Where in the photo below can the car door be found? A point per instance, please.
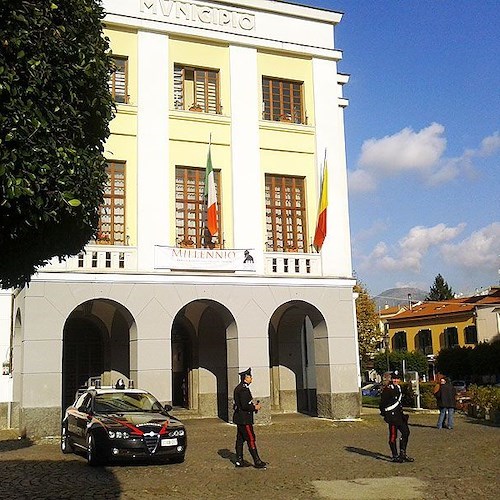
(81, 416)
(71, 418)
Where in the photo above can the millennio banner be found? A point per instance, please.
(204, 259)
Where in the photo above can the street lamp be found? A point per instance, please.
(386, 342)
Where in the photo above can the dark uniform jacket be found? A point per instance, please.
(243, 404)
(390, 402)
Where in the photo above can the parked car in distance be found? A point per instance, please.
(372, 389)
(113, 423)
(459, 385)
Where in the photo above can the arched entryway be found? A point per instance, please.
(201, 334)
(184, 347)
(96, 344)
(298, 351)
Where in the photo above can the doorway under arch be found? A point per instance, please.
(298, 350)
(201, 332)
(96, 344)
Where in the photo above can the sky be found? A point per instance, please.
(422, 140)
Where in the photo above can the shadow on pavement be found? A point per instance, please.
(56, 479)
(15, 444)
(367, 453)
(421, 425)
(229, 455)
(481, 421)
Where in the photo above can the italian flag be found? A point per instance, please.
(320, 234)
(210, 197)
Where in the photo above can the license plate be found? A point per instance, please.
(169, 442)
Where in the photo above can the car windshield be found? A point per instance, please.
(120, 402)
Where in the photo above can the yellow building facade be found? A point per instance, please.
(157, 300)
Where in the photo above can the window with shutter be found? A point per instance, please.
(424, 341)
(111, 229)
(118, 81)
(470, 332)
(285, 214)
(178, 92)
(282, 100)
(451, 336)
(196, 89)
(399, 341)
(190, 208)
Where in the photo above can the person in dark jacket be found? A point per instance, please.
(392, 411)
(244, 409)
(446, 398)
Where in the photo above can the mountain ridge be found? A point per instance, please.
(398, 296)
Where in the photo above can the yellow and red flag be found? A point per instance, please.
(320, 233)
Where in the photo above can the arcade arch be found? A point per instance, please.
(204, 354)
(299, 358)
(96, 343)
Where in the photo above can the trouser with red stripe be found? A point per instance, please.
(245, 433)
(398, 422)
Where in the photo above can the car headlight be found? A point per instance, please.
(177, 432)
(118, 434)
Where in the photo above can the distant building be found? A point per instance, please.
(428, 327)
(156, 299)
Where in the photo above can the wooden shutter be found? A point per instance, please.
(282, 100)
(118, 81)
(196, 89)
(285, 214)
(112, 211)
(178, 87)
(190, 209)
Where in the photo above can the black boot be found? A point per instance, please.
(394, 451)
(403, 457)
(239, 462)
(258, 463)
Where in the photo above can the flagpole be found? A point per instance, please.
(210, 228)
(204, 218)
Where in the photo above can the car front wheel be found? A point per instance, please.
(93, 456)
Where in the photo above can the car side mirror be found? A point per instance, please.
(168, 407)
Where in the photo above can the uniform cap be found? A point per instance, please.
(391, 375)
(243, 374)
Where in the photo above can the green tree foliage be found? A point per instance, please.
(369, 335)
(455, 362)
(414, 361)
(55, 109)
(440, 290)
(485, 359)
(470, 363)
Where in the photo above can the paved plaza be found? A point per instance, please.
(309, 458)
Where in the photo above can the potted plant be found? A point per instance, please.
(103, 238)
(195, 107)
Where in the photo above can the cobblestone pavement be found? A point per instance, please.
(308, 458)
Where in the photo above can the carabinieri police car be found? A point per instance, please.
(112, 423)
